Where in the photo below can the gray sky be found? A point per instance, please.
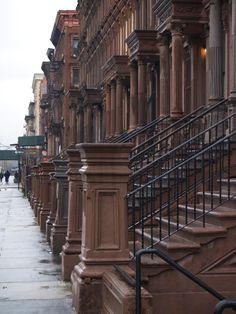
(26, 28)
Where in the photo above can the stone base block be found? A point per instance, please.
(86, 294)
(42, 220)
(119, 297)
(68, 262)
(48, 230)
(36, 207)
(58, 239)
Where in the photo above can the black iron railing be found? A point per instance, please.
(176, 133)
(148, 130)
(185, 193)
(145, 172)
(223, 304)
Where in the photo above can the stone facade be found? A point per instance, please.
(118, 65)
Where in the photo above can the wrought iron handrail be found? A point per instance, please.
(224, 304)
(178, 267)
(159, 205)
(172, 136)
(128, 136)
(177, 154)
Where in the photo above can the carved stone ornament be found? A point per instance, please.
(164, 39)
(187, 10)
(177, 28)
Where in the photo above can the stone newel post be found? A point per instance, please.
(52, 215)
(105, 175)
(46, 168)
(72, 248)
(59, 226)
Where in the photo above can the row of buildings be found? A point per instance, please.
(135, 93)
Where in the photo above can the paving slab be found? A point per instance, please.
(30, 275)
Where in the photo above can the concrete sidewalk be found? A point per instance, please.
(30, 277)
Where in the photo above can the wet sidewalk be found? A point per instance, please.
(30, 277)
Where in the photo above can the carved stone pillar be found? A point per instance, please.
(133, 96)
(53, 209)
(88, 124)
(105, 175)
(176, 109)
(215, 53)
(142, 92)
(194, 46)
(119, 106)
(59, 227)
(72, 248)
(73, 126)
(113, 108)
(46, 168)
(108, 111)
(164, 75)
(80, 126)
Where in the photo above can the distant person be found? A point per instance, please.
(1, 176)
(7, 175)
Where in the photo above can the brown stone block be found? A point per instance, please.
(68, 262)
(87, 294)
(119, 297)
(42, 219)
(48, 230)
(58, 238)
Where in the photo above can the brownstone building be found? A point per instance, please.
(61, 72)
(141, 108)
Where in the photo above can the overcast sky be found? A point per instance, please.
(26, 27)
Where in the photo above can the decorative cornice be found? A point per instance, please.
(142, 43)
(116, 66)
(91, 95)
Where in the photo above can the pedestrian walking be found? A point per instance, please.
(7, 175)
(1, 176)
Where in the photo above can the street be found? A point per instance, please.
(30, 277)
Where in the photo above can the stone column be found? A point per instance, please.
(73, 126)
(105, 176)
(142, 92)
(164, 75)
(176, 109)
(88, 123)
(133, 122)
(53, 209)
(80, 126)
(46, 168)
(215, 53)
(113, 108)
(108, 111)
(119, 106)
(72, 248)
(194, 46)
(59, 227)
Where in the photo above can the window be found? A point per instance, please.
(75, 77)
(75, 46)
